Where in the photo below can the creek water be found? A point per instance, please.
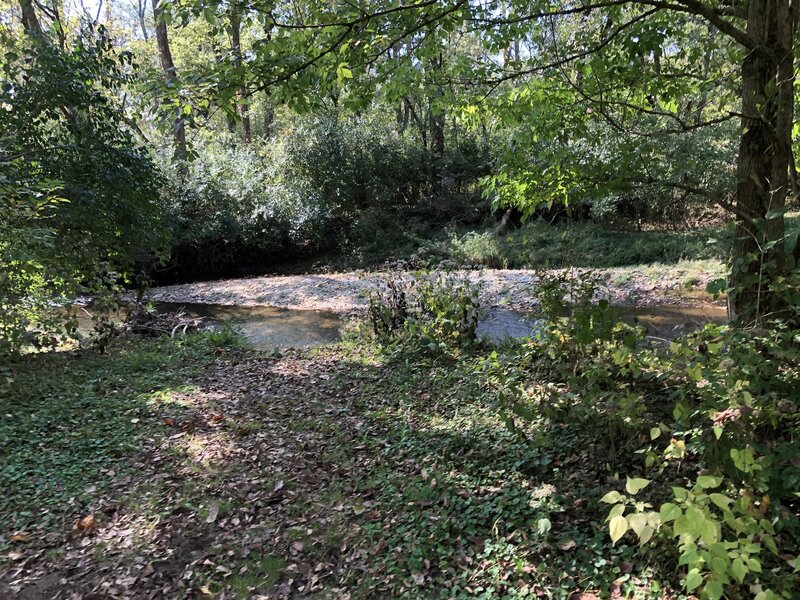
(270, 327)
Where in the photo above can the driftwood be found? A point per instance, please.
(144, 321)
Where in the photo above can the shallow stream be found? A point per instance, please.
(269, 327)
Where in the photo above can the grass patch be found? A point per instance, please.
(336, 471)
(538, 245)
(71, 420)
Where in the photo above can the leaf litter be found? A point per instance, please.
(306, 474)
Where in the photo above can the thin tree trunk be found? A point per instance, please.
(436, 123)
(171, 74)
(269, 119)
(141, 12)
(236, 50)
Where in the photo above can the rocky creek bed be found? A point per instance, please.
(512, 289)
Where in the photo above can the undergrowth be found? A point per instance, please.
(539, 245)
(63, 438)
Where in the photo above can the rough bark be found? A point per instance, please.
(165, 55)
(30, 22)
(764, 157)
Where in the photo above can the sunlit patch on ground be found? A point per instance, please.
(326, 473)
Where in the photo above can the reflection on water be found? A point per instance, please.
(270, 327)
(666, 321)
(267, 326)
(669, 321)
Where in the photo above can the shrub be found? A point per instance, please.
(711, 420)
(433, 313)
(79, 199)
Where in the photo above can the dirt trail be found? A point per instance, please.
(346, 292)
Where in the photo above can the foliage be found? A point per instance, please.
(429, 312)
(79, 196)
(90, 423)
(396, 477)
(324, 182)
(717, 409)
(230, 201)
(26, 287)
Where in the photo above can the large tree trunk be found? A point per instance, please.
(171, 74)
(236, 51)
(764, 158)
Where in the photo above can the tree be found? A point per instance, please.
(171, 74)
(78, 199)
(765, 33)
(646, 70)
(236, 53)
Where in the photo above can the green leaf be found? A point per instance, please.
(713, 590)
(543, 526)
(693, 579)
(721, 500)
(616, 511)
(210, 15)
(633, 486)
(695, 519)
(611, 497)
(680, 493)
(637, 522)
(669, 512)
(646, 534)
(617, 528)
(655, 432)
(738, 570)
(342, 72)
(708, 481)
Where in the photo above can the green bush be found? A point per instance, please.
(331, 181)
(226, 203)
(432, 313)
(709, 420)
(78, 197)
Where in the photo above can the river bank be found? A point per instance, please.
(681, 284)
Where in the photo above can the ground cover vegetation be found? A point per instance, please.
(187, 139)
(586, 461)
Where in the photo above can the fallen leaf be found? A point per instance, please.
(278, 486)
(567, 545)
(213, 513)
(168, 421)
(86, 525)
(20, 537)
(358, 509)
